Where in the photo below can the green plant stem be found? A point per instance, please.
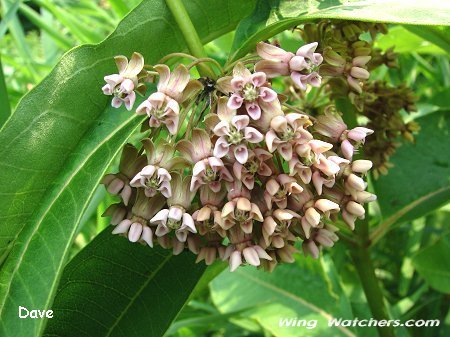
(364, 266)
(5, 109)
(190, 35)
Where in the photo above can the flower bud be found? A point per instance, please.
(361, 166)
(355, 209)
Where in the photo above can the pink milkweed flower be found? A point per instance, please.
(250, 90)
(255, 165)
(352, 139)
(208, 217)
(276, 225)
(234, 133)
(163, 106)
(136, 227)
(123, 85)
(330, 125)
(176, 218)
(242, 212)
(301, 66)
(287, 131)
(153, 179)
(314, 215)
(208, 170)
(279, 188)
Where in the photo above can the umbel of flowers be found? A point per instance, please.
(249, 181)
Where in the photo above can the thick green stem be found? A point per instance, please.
(366, 271)
(5, 109)
(190, 35)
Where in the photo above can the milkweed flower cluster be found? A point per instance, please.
(249, 181)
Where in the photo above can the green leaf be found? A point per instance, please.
(440, 36)
(5, 109)
(273, 16)
(419, 181)
(308, 289)
(115, 288)
(59, 142)
(406, 41)
(433, 264)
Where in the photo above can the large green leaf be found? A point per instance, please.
(433, 264)
(306, 290)
(419, 182)
(59, 142)
(273, 16)
(114, 288)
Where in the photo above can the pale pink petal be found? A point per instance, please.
(175, 213)
(164, 76)
(307, 50)
(147, 236)
(240, 122)
(221, 147)
(253, 110)
(272, 68)
(122, 227)
(273, 53)
(241, 153)
(299, 79)
(113, 80)
(235, 102)
(251, 256)
(252, 135)
(144, 108)
(107, 90)
(116, 102)
(129, 100)
(258, 79)
(135, 232)
(298, 63)
(267, 94)
(347, 149)
(237, 83)
(160, 217)
(161, 230)
(235, 260)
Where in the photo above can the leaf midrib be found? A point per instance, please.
(41, 219)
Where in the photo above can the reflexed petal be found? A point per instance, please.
(188, 223)
(178, 81)
(299, 79)
(160, 217)
(298, 63)
(251, 256)
(307, 50)
(240, 70)
(135, 232)
(164, 75)
(122, 227)
(272, 68)
(273, 53)
(235, 260)
(144, 108)
(135, 65)
(147, 236)
(113, 80)
(161, 230)
(148, 171)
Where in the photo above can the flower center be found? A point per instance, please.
(250, 93)
(119, 93)
(287, 134)
(173, 224)
(152, 182)
(281, 193)
(159, 113)
(210, 175)
(251, 166)
(235, 137)
(241, 216)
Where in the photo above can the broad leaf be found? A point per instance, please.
(58, 144)
(419, 181)
(115, 288)
(433, 264)
(273, 16)
(306, 290)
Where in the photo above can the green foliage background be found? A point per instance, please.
(62, 136)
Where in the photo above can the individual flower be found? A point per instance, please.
(131, 162)
(176, 218)
(136, 226)
(208, 169)
(153, 179)
(353, 139)
(124, 84)
(252, 92)
(302, 66)
(163, 106)
(287, 131)
(275, 229)
(234, 134)
(255, 165)
(208, 218)
(239, 210)
(315, 213)
(279, 188)
(330, 125)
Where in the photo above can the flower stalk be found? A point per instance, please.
(364, 266)
(190, 35)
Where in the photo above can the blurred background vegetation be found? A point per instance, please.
(34, 35)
